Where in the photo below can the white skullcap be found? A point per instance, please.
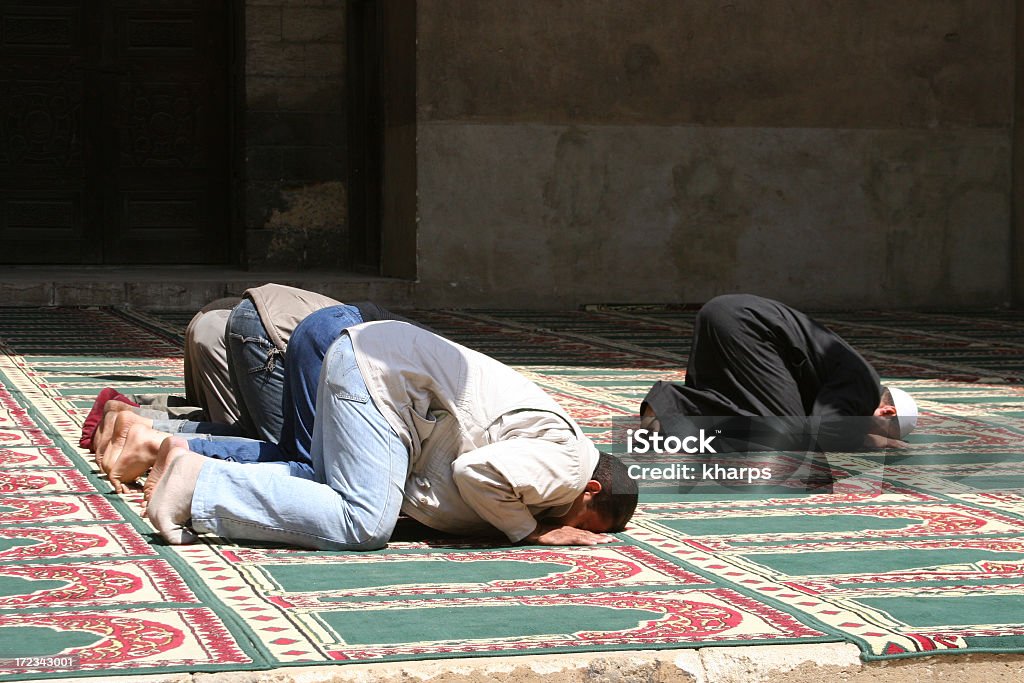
(906, 410)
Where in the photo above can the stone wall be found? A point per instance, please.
(294, 134)
(829, 153)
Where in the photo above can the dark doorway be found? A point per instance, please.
(382, 135)
(114, 131)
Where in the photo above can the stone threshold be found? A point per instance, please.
(180, 288)
(741, 664)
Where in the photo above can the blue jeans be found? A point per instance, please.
(307, 348)
(260, 372)
(352, 496)
(269, 393)
(306, 351)
(256, 371)
(190, 427)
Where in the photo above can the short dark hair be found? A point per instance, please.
(616, 501)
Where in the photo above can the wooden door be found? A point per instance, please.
(114, 132)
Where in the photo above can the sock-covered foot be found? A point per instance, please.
(169, 490)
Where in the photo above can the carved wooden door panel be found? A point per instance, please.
(166, 93)
(113, 131)
(49, 202)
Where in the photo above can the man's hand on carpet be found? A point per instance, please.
(565, 535)
(878, 442)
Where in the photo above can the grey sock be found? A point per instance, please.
(170, 506)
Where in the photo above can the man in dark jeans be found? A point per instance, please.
(256, 337)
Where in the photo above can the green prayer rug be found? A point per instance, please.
(910, 553)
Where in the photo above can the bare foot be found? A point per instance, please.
(169, 490)
(122, 422)
(103, 433)
(105, 430)
(131, 458)
(103, 403)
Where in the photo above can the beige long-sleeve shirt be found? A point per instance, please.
(487, 447)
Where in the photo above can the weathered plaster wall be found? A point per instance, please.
(294, 138)
(827, 152)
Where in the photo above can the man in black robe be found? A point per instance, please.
(764, 376)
